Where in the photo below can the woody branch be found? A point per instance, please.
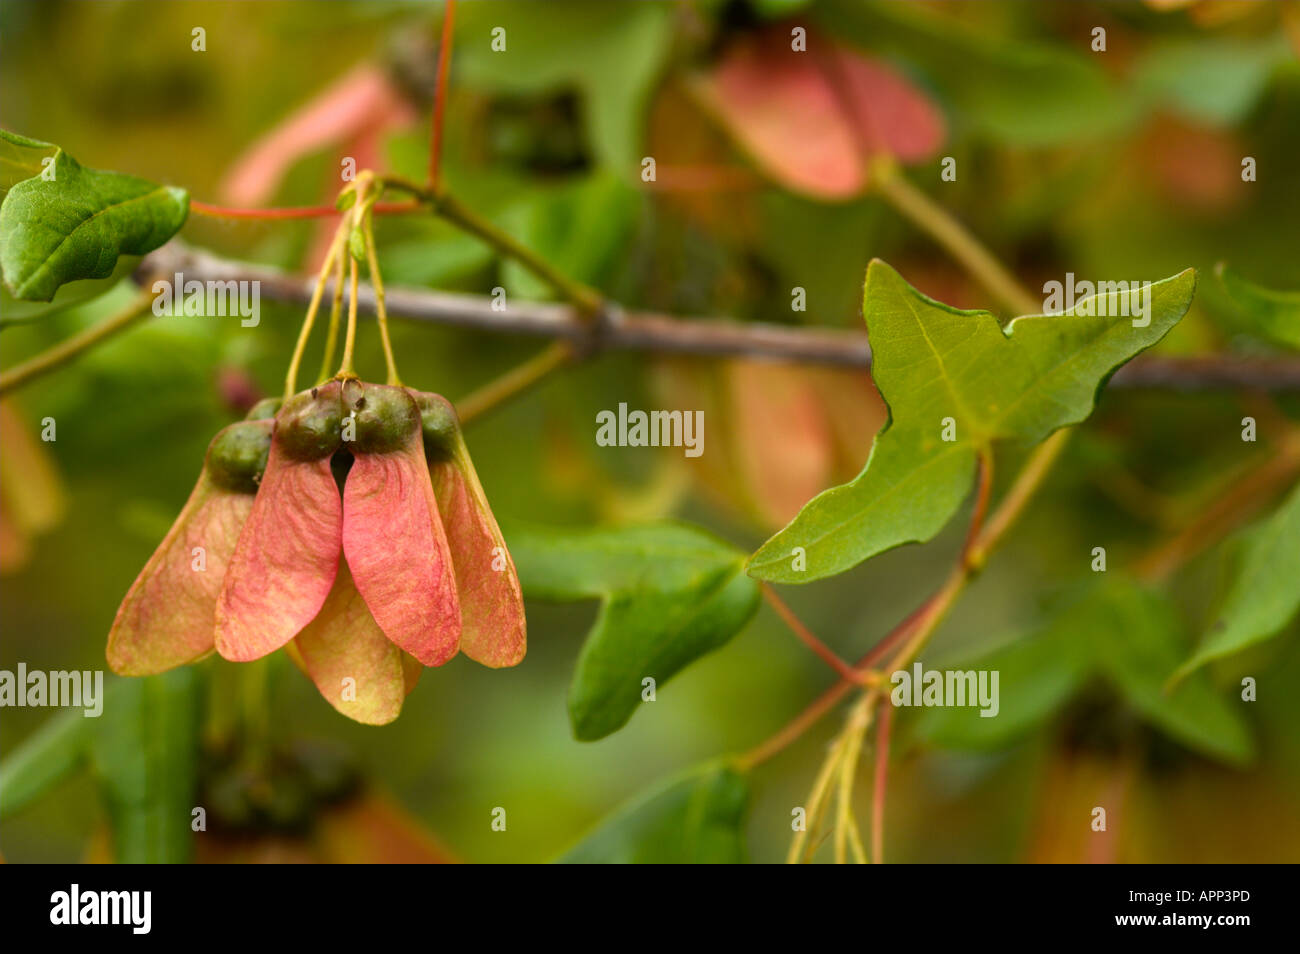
(646, 331)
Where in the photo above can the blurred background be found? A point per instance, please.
(1123, 164)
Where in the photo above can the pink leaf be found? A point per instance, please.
(779, 106)
(813, 119)
(288, 553)
(493, 629)
(392, 535)
(782, 439)
(895, 117)
(362, 100)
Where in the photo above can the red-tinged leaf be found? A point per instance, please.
(286, 559)
(813, 119)
(345, 643)
(782, 440)
(894, 117)
(392, 536)
(1197, 169)
(780, 107)
(493, 629)
(854, 413)
(363, 99)
(166, 619)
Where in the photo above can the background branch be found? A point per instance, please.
(645, 331)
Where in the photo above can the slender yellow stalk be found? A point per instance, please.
(855, 842)
(381, 313)
(291, 377)
(813, 810)
(516, 380)
(336, 312)
(856, 729)
(349, 341)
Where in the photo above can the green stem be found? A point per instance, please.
(935, 220)
(336, 248)
(381, 312)
(350, 339)
(514, 381)
(332, 336)
(921, 624)
(69, 349)
(585, 299)
(445, 205)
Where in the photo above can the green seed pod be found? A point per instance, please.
(357, 245)
(385, 417)
(309, 426)
(439, 423)
(263, 409)
(237, 455)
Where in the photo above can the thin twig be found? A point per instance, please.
(807, 637)
(917, 627)
(796, 727)
(440, 92)
(982, 494)
(71, 348)
(1243, 497)
(293, 212)
(514, 382)
(587, 300)
(442, 203)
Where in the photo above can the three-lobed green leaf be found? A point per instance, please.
(670, 593)
(78, 222)
(955, 381)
